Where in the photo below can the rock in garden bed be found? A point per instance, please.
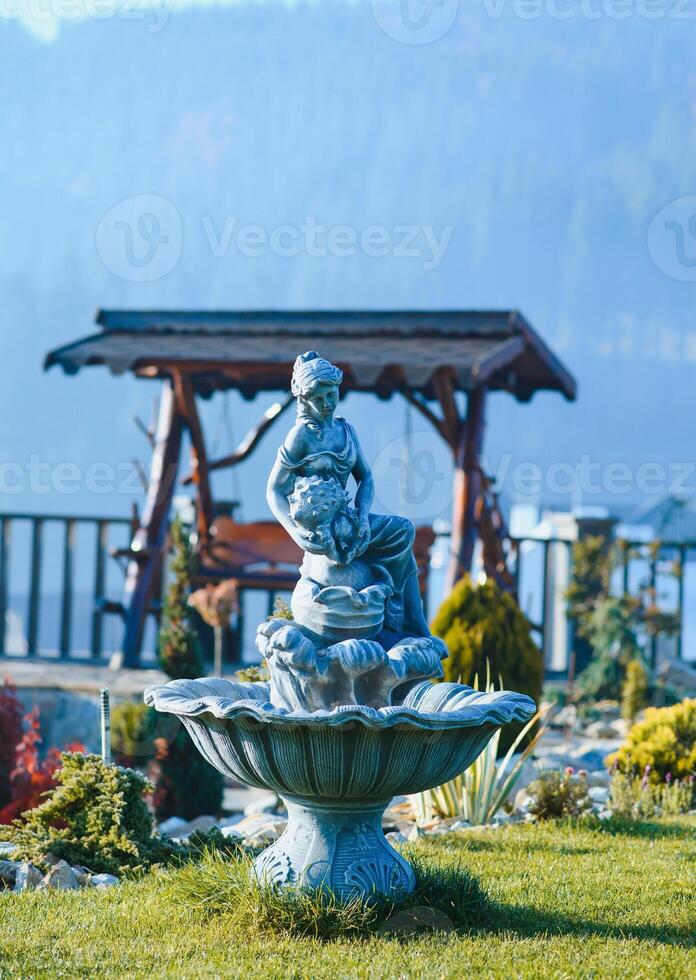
(8, 872)
(28, 877)
(22, 876)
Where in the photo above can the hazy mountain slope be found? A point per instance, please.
(547, 147)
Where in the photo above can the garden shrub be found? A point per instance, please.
(95, 817)
(257, 673)
(10, 737)
(591, 578)
(612, 629)
(30, 779)
(483, 625)
(559, 794)
(663, 742)
(185, 784)
(616, 626)
(634, 693)
(636, 798)
(179, 649)
(133, 728)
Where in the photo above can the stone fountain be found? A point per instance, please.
(351, 716)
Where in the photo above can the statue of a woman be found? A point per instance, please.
(326, 446)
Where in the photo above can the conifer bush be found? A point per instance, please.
(662, 744)
(95, 817)
(179, 649)
(133, 731)
(634, 693)
(185, 784)
(484, 627)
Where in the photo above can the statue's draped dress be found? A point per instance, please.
(390, 551)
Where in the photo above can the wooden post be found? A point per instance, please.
(467, 488)
(149, 540)
(186, 402)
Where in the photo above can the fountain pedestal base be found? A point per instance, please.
(340, 846)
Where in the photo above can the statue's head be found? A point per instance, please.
(315, 383)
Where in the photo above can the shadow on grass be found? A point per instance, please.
(623, 827)
(528, 922)
(447, 898)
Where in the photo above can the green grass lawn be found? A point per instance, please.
(564, 902)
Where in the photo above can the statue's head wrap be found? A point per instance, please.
(310, 370)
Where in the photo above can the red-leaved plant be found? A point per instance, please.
(31, 777)
(10, 737)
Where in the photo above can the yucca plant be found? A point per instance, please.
(479, 793)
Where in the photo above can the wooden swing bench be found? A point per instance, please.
(262, 556)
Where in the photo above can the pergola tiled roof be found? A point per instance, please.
(379, 351)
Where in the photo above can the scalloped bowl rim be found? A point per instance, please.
(505, 707)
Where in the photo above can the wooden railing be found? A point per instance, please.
(657, 565)
(26, 570)
(82, 566)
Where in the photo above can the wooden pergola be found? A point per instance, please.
(425, 356)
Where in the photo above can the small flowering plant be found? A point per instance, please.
(559, 794)
(216, 603)
(638, 797)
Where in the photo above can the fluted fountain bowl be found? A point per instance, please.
(338, 769)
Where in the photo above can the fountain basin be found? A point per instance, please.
(338, 769)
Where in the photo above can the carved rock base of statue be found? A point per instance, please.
(336, 846)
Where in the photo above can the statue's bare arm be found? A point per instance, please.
(364, 495)
(280, 484)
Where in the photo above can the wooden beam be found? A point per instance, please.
(422, 406)
(467, 488)
(249, 442)
(142, 576)
(186, 403)
(443, 383)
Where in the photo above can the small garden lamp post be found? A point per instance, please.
(105, 725)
